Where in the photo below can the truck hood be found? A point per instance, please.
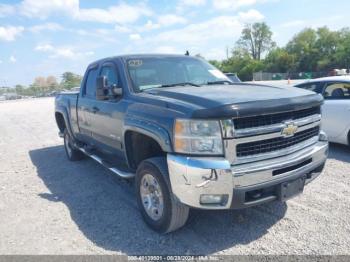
(237, 100)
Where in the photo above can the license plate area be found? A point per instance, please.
(290, 189)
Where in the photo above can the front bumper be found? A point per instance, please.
(243, 185)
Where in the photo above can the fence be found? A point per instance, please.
(265, 76)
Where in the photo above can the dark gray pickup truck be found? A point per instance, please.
(191, 137)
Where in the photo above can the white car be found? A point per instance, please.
(336, 108)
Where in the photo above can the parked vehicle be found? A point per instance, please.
(233, 77)
(336, 108)
(191, 137)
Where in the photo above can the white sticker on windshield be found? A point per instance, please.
(217, 73)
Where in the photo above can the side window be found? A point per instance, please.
(111, 75)
(337, 91)
(90, 85)
(311, 87)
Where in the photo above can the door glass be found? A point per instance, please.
(110, 74)
(311, 87)
(337, 91)
(90, 85)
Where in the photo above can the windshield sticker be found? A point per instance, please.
(135, 62)
(217, 73)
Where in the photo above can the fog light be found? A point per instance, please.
(213, 199)
(323, 136)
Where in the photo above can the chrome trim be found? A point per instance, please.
(277, 134)
(262, 171)
(276, 127)
(190, 177)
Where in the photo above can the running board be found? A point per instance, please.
(115, 170)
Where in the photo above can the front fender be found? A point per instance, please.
(148, 128)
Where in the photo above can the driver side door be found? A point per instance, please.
(108, 115)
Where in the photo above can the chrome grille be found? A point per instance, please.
(271, 119)
(275, 144)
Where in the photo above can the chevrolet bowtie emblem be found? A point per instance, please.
(289, 130)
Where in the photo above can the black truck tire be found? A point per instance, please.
(170, 214)
(73, 154)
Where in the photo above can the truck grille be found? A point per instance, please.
(274, 144)
(265, 120)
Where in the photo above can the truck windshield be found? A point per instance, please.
(159, 72)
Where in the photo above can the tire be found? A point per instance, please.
(169, 214)
(72, 153)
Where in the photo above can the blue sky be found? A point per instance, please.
(49, 37)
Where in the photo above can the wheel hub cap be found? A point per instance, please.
(151, 196)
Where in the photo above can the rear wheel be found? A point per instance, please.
(160, 210)
(73, 154)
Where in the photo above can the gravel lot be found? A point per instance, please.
(49, 205)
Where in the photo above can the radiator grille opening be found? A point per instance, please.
(265, 120)
(275, 144)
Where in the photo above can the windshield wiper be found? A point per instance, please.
(180, 84)
(219, 82)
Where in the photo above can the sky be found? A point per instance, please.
(49, 37)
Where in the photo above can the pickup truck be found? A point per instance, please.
(189, 137)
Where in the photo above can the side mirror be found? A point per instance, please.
(101, 88)
(116, 90)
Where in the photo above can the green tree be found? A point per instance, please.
(70, 80)
(303, 46)
(256, 39)
(279, 60)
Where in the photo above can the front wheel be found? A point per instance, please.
(160, 210)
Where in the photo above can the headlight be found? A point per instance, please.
(197, 137)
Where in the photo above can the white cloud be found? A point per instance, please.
(150, 25)
(6, 10)
(135, 37)
(122, 13)
(122, 29)
(61, 52)
(230, 5)
(44, 8)
(1, 62)
(213, 29)
(9, 33)
(46, 27)
(170, 19)
(12, 59)
(251, 16)
(193, 2)
(166, 50)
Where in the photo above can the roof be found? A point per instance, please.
(330, 78)
(130, 56)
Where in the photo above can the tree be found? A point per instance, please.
(70, 80)
(256, 39)
(279, 60)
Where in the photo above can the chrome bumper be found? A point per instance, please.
(192, 177)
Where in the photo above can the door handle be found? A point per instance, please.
(95, 109)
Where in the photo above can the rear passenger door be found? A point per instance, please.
(85, 105)
(336, 109)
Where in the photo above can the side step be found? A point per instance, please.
(115, 170)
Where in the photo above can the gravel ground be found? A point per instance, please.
(49, 205)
